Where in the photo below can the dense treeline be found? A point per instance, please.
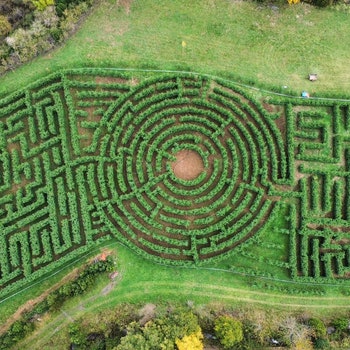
(191, 327)
(196, 327)
(29, 28)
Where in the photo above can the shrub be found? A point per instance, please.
(229, 331)
(42, 4)
(77, 334)
(318, 327)
(71, 17)
(341, 324)
(5, 26)
(321, 343)
(190, 342)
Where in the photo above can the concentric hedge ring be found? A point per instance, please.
(148, 206)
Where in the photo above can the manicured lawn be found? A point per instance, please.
(255, 43)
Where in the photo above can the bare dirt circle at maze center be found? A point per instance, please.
(188, 165)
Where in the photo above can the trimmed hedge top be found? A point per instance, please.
(86, 155)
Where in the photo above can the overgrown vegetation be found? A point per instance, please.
(54, 301)
(28, 29)
(172, 326)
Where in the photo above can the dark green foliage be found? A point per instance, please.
(341, 325)
(17, 332)
(322, 3)
(320, 343)
(76, 334)
(318, 327)
(88, 155)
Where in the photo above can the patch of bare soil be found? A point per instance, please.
(126, 4)
(110, 80)
(188, 165)
(29, 305)
(147, 313)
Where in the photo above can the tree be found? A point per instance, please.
(162, 333)
(77, 334)
(229, 331)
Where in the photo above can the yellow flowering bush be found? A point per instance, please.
(42, 4)
(190, 342)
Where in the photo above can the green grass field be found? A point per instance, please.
(246, 41)
(141, 281)
(243, 41)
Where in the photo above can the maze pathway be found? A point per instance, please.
(182, 168)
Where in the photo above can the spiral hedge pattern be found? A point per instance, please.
(177, 219)
(92, 154)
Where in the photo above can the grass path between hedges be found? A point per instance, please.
(272, 46)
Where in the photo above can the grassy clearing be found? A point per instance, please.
(242, 40)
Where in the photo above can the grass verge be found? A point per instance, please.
(141, 281)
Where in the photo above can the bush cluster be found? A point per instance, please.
(175, 327)
(31, 28)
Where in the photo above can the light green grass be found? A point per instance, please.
(141, 281)
(247, 41)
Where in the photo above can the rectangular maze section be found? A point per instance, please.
(322, 174)
(45, 210)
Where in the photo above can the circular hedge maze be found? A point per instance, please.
(182, 168)
(191, 164)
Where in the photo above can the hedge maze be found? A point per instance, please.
(182, 168)
(321, 236)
